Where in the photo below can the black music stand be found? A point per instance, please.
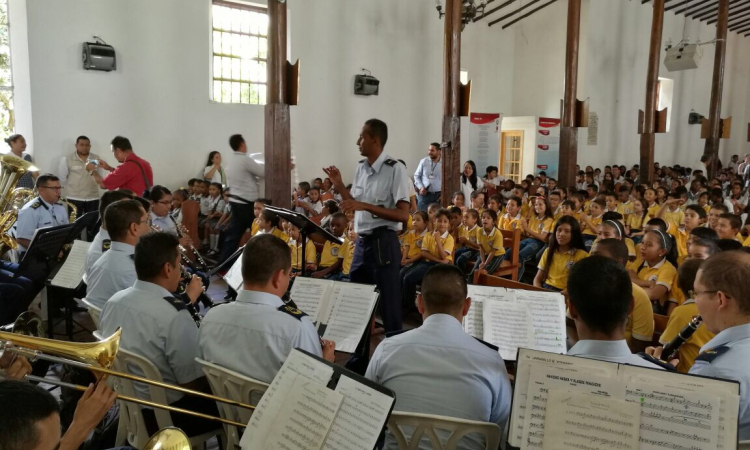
(84, 222)
(306, 228)
(41, 256)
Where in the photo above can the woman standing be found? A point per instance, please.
(469, 179)
(213, 172)
(17, 145)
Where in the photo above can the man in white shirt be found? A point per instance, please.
(244, 176)
(428, 178)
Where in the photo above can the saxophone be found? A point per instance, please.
(72, 208)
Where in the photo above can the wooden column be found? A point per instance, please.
(648, 125)
(714, 119)
(278, 148)
(452, 101)
(568, 127)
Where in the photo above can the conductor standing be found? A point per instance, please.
(380, 199)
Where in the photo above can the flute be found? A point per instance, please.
(671, 347)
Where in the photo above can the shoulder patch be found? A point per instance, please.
(362, 161)
(36, 204)
(178, 304)
(711, 354)
(106, 245)
(292, 311)
(390, 162)
(495, 348)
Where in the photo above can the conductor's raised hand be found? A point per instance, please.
(329, 349)
(334, 174)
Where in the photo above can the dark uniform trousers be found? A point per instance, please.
(377, 260)
(242, 218)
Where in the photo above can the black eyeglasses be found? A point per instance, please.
(694, 293)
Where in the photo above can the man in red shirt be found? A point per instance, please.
(133, 173)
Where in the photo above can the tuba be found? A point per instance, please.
(11, 198)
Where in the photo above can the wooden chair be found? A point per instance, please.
(511, 240)
(431, 426)
(483, 279)
(190, 211)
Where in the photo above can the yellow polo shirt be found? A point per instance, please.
(595, 221)
(626, 209)
(681, 237)
(310, 253)
(676, 218)
(544, 225)
(346, 253)
(470, 233)
(636, 222)
(747, 242)
(640, 323)
(526, 210)
(636, 263)
(414, 243)
(559, 269)
(429, 244)
(663, 273)
(690, 350)
(330, 254)
(254, 227)
(508, 223)
(653, 209)
(280, 234)
(492, 243)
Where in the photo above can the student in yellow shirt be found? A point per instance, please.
(656, 276)
(411, 250)
(639, 329)
(346, 254)
(701, 244)
(579, 201)
(682, 315)
(495, 203)
(565, 249)
(491, 248)
(567, 208)
(670, 211)
(703, 201)
(519, 192)
(714, 213)
(635, 223)
(625, 206)
(458, 200)
(477, 201)
(610, 198)
(590, 224)
(509, 220)
(536, 230)
(330, 263)
(295, 245)
(555, 199)
(437, 248)
(268, 223)
(728, 226)
(258, 208)
(649, 196)
(468, 239)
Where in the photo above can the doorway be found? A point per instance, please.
(511, 155)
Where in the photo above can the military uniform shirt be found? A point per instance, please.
(439, 369)
(157, 329)
(99, 245)
(163, 223)
(728, 356)
(612, 351)
(384, 183)
(254, 335)
(39, 214)
(112, 273)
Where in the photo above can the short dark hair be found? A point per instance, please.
(235, 141)
(121, 143)
(44, 179)
(158, 191)
(444, 289)
(153, 251)
(601, 291)
(728, 245)
(271, 217)
(436, 145)
(698, 210)
(686, 274)
(615, 247)
(378, 129)
(332, 206)
(705, 233)
(119, 215)
(264, 255)
(82, 138)
(18, 423)
(711, 245)
(734, 221)
(110, 197)
(12, 138)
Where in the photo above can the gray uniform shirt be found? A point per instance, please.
(384, 183)
(39, 214)
(112, 273)
(612, 351)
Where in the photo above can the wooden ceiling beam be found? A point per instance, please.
(690, 7)
(740, 11)
(528, 14)
(494, 10)
(737, 19)
(677, 5)
(733, 5)
(514, 12)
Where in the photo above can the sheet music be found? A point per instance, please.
(351, 314)
(583, 422)
(545, 379)
(473, 322)
(273, 401)
(489, 293)
(548, 319)
(507, 325)
(233, 276)
(309, 293)
(360, 419)
(71, 273)
(531, 360)
(707, 403)
(307, 416)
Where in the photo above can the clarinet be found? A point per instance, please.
(182, 289)
(671, 348)
(180, 234)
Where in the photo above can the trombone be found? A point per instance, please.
(97, 357)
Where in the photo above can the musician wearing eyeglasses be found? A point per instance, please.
(254, 335)
(158, 327)
(43, 211)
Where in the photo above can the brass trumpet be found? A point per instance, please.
(97, 357)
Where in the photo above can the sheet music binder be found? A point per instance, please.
(338, 373)
(534, 361)
(41, 255)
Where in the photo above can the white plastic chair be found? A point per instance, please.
(743, 445)
(235, 386)
(132, 426)
(94, 311)
(427, 425)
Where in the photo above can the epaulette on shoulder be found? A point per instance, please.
(363, 161)
(178, 304)
(294, 312)
(493, 347)
(390, 162)
(106, 244)
(36, 204)
(710, 355)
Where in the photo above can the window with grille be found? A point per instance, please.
(240, 50)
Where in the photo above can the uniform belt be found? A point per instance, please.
(377, 232)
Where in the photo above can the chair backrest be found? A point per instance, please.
(94, 311)
(190, 211)
(427, 425)
(128, 362)
(512, 240)
(660, 324)
(483, 279)
(235, 386)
